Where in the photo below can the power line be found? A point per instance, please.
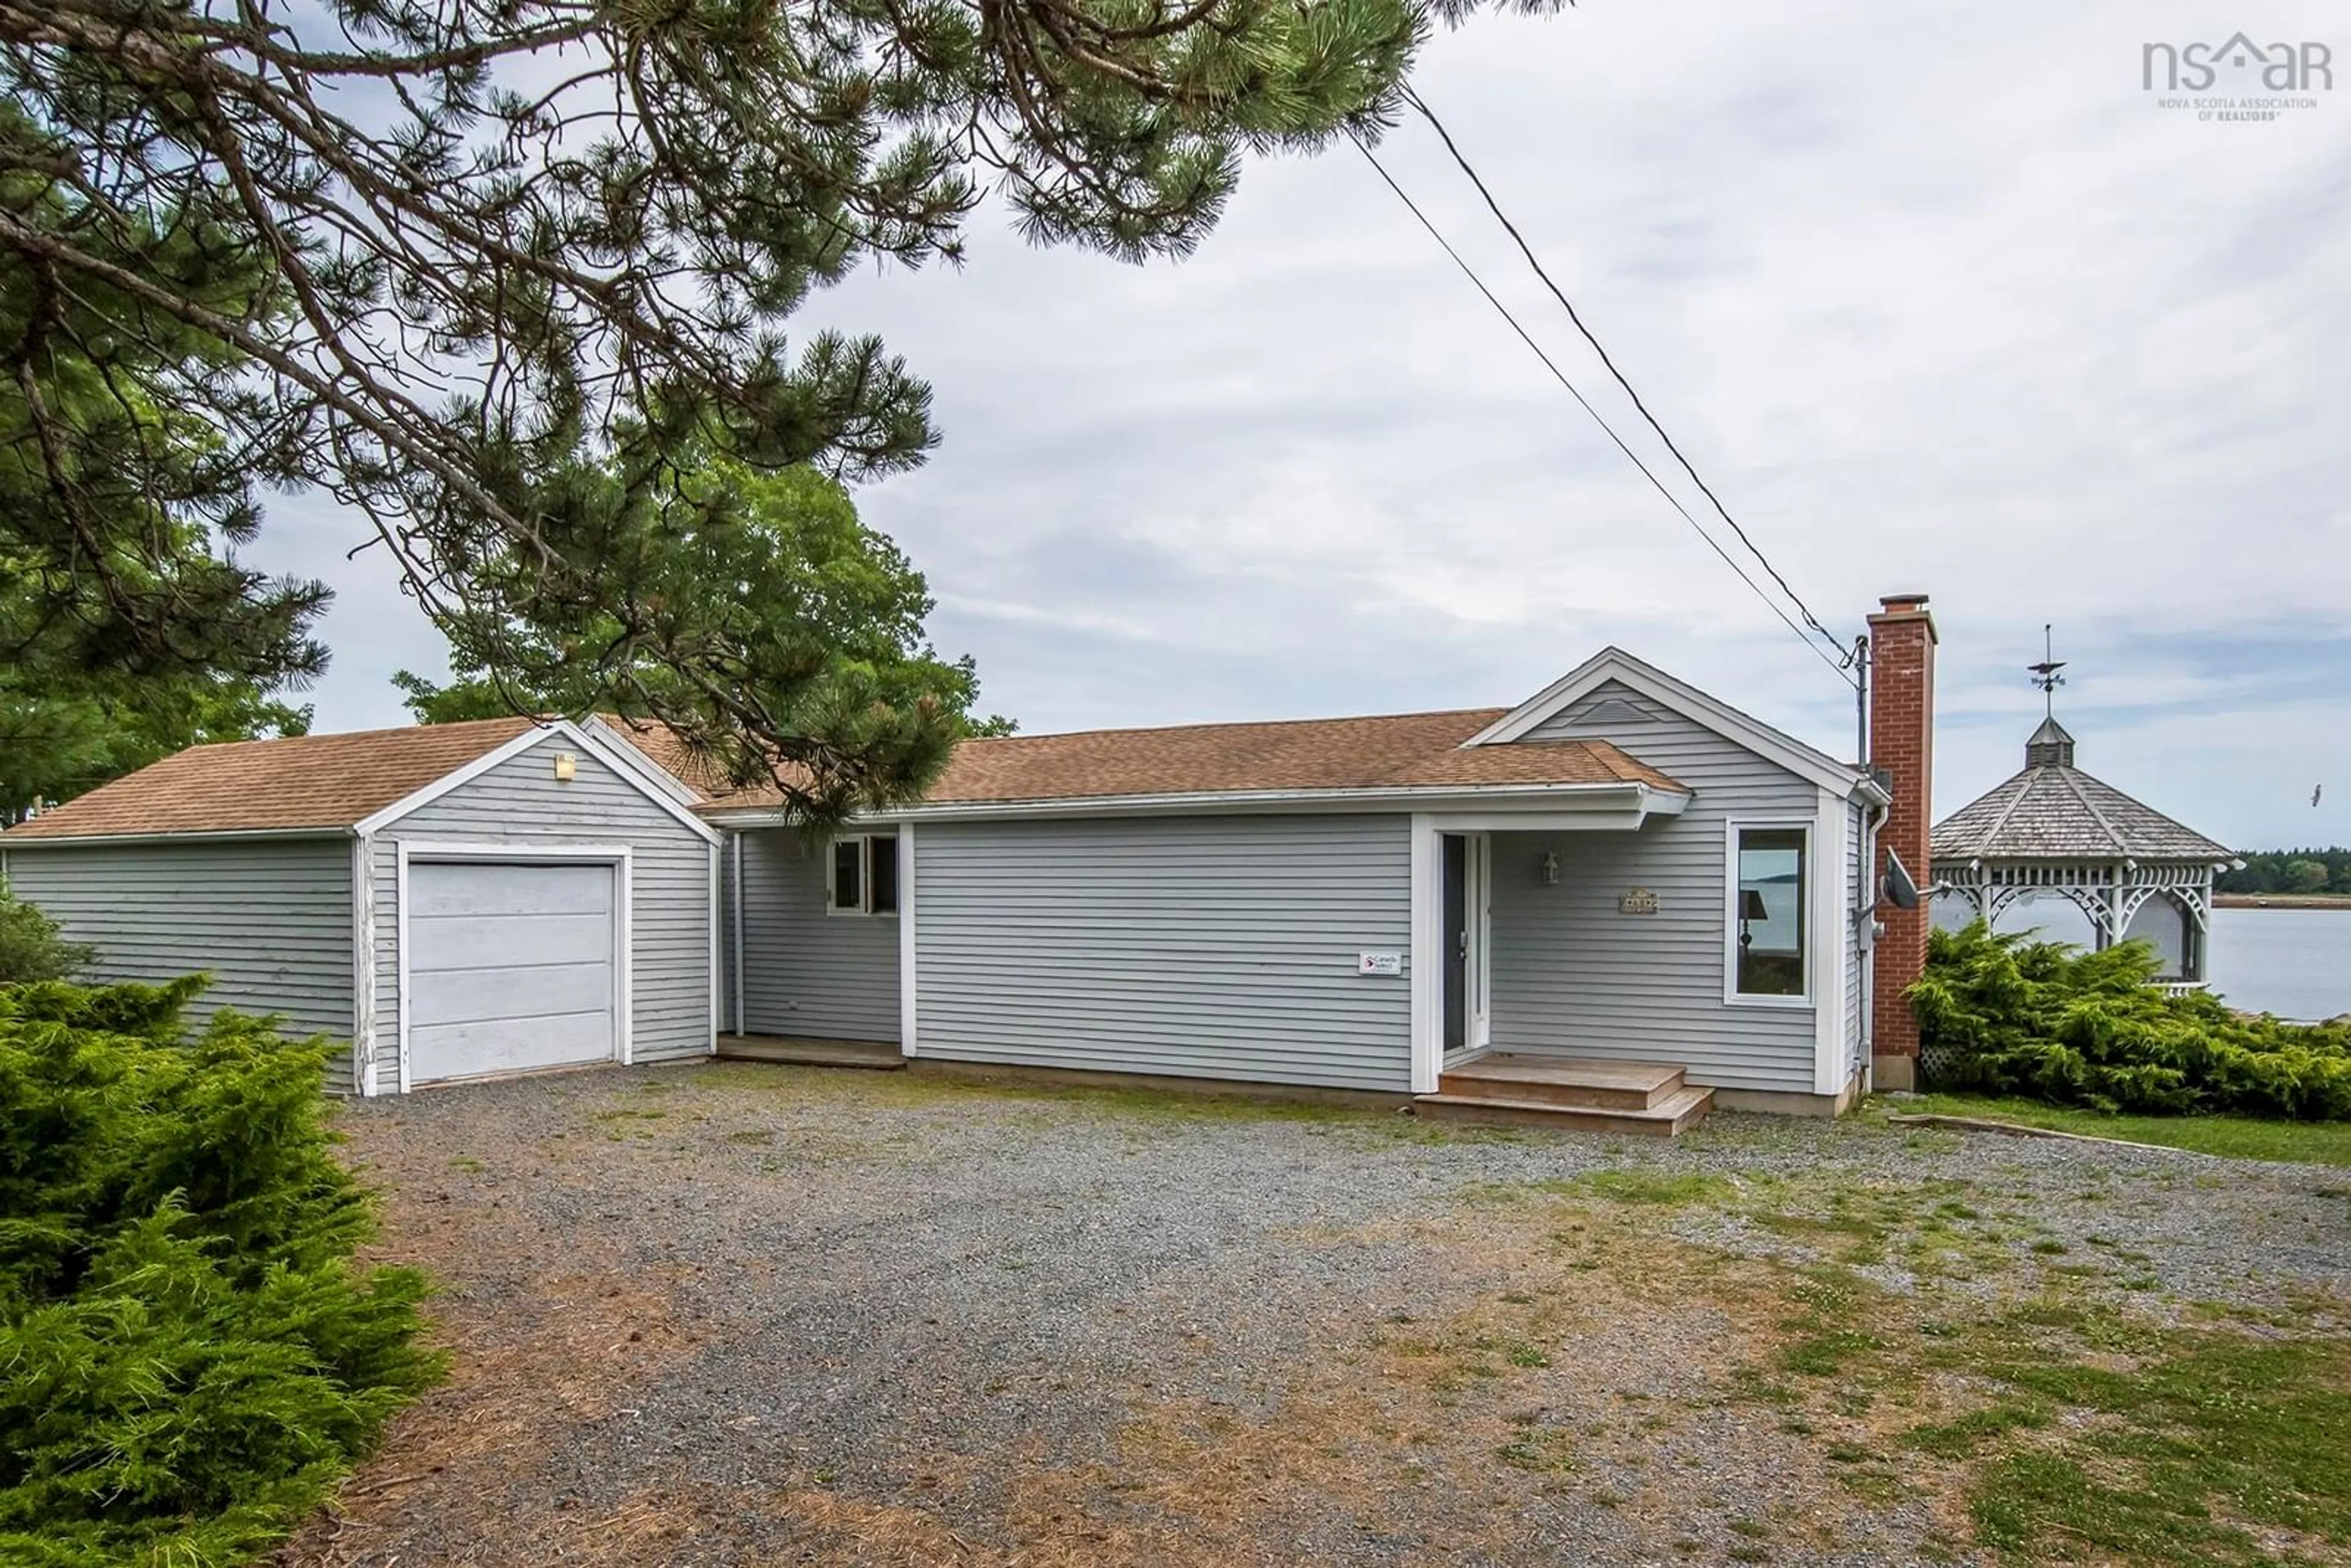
(1527, 250)
(1561, 376)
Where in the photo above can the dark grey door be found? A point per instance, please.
(1455, 937)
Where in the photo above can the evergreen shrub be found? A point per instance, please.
(2007, 1015)
(189, 1356)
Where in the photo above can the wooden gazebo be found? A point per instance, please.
(2055, 831)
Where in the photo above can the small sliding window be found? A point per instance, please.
(862, 874)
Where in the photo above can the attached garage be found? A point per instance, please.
(459, 901)
(512, 965)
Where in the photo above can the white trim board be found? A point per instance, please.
(10, 844)
(736, 890)
(716, 849)
(1546, 807)
(1832, 920)
(907, 990)
(1480, 898)
(1548, 821)
(1427, 970)
(620, 857)
(1615, 664)
(562, 728)
(364, 967)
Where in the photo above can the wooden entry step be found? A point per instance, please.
(1496, 1087)
(876, 1055)
(1564, 1081)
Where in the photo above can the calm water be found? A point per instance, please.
(2295, 963)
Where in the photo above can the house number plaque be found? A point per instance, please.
(1636, 901)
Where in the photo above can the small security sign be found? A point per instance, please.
(1379, 962)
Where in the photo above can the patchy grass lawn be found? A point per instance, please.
(1927, 1344)
(2233, 1137)
(767, 1315)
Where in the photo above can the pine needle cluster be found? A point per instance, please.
(504, 276)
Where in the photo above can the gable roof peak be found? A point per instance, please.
(1647, 680)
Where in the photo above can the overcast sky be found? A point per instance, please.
(1936, 297)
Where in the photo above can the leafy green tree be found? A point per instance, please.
(59, 736)
(766, 580)
(2288, 870)
(464, 265)
(2305, 875)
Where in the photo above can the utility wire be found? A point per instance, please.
(1527, 250)
(1561, 376)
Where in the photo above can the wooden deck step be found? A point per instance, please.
(1563, 1080)
(1669, 1116)
(876, 1056)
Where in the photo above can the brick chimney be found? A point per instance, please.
(1902, 745)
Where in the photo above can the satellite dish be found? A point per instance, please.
(1900, 891)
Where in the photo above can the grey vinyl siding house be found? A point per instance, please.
(542, 898)
(1620, 871)
(269, 918)
(1351, 937)
(801, 968)
(1197, 947)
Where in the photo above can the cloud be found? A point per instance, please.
(1935, 302)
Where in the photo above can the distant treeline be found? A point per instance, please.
(2290, 871)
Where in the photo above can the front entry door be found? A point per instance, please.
(1462, 916)
(1456, 938)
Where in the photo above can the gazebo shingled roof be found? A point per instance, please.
(2053, 829)
(2054, 811)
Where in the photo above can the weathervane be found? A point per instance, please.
(2046, 675)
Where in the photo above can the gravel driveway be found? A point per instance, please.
(745, 1313)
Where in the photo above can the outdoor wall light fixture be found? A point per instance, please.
(1547, 868)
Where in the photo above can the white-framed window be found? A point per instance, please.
(1768, 952)
(862, 874)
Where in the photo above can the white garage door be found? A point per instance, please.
(510, 966)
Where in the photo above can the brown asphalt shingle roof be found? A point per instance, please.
(257, 786)
(329, 782)
(1397, 751)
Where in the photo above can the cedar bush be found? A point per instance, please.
(31, 947)
(188, 1358)
(2006, 1014)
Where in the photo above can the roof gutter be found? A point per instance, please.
(14, 840)
(1646, 800)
